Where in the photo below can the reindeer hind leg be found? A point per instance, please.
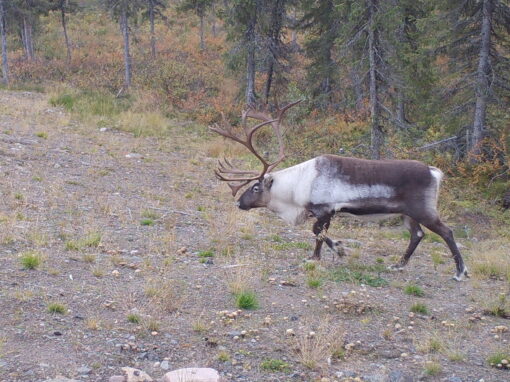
(417, 235)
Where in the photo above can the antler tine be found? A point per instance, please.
(284, 109)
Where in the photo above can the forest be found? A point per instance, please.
(120, 249)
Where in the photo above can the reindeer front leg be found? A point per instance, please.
(320, 229)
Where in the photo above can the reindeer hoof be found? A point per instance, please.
(459, 276)
(396, 267)
(338, 248)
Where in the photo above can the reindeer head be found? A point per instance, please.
(257, 195)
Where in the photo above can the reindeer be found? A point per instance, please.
(329, 184)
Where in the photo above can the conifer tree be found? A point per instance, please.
(3, 37)
(479, 51)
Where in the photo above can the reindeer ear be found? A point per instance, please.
(268, 181)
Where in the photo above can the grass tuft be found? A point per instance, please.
(419, 308)
(274, 365)
(246, 300)
(414, 290)
(57, 308)
(30, 260)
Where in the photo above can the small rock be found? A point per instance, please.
(374, 378)
(84, 370)
(102, 130)
(290, 332)
(135, 375)
(115, 273)
(59, 378)
(453, 379)
(117, 378)
(399, 376)
(192, 375)
(134, 156)
(165, 365)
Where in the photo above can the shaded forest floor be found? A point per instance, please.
(138, 252)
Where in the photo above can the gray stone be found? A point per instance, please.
(59, 378)
(117, 378)
(192, 375)
(374, 378)
(84, 370)
(165, 365)
(453, 379)
(399, 376)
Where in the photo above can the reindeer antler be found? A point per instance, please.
(246, 176)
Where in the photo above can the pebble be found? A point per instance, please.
(290, 332)
(84, 370)
(165, 365)
(134, 156)
(192, 375)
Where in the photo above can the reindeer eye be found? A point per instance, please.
(255, 188)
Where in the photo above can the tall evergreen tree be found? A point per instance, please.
(122, 10)
(26, 13)
(200, 7)
(321, 21)
(242, 17)
(65, 7)
(154, 8)
(478, 49)
(3, 36)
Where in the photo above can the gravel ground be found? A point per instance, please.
(140, 250)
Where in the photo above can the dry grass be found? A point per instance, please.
(492, 260)
(316, 344)
(239, 277)
(165, 295)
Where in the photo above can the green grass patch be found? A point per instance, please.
(314, 282)
(91, 240)
(419, 308)
(205, 254)
(360, 274)
(134, 318)
(246, 300)
(149, 214)
(42, 134)
(414, 290)
(274, 365)
(147, 222)
(432, 368)
(279, 246)
(56, 308)
(30, 260)
(496, 358)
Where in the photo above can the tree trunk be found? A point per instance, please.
(482, 80)
(376, 130)
(277, 15)
(250, 61)
(153, 34)
(400, 112)
(127, 56)
(64, 27)
(24, 39)
(213, 19)
(202, 41)
(358, 91)
(30, 41)
(3, 31)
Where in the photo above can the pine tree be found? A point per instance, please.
(321, 21)
(3, 36)
(154, 8)
(200, 7)
(122, 10)
(478, 49)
